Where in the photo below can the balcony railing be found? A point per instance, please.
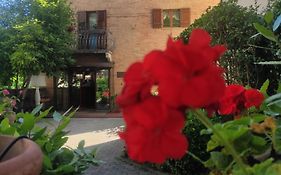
(92, 41)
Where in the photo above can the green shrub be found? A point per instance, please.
(56, 158)
(231, 24)
(197, 146)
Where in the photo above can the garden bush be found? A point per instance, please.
(189, 165)
(269, 27)
(232, 24)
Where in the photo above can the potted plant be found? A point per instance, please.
(19, 156)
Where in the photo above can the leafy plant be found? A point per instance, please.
(231, 24)
(255, 137)
(188, 165)
(57, 159)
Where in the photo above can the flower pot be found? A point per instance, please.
(24, 157)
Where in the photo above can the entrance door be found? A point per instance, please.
(89, 88)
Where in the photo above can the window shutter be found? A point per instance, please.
(101, 19)
(82, 20)
(157, 18)
(185, 17)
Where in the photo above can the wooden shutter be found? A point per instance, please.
(82, 20)
(185, 17)
(157, 18)
(101, 19)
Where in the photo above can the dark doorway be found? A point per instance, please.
(89, 88)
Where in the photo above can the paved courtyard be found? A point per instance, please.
(101, 133)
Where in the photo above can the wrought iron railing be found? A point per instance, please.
(92, 41)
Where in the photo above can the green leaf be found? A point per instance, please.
(39, 133)
(276, 137)
(81, 144)
(93, 152)
(59, 143)
(264, 88)
(48, 147)
(2, 107)
(57, 116)
(63, 124)
(5, 124)
(257, 169)
(5, 127)
(47, 162)
(274, 169)
(265, 32)
(273, 98)
(220, 160)
(277, 23)
(258, 144)
(28, 122)
(268, 17)
(37, 109)
(43, 114)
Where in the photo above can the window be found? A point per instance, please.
(90, 20)
(93, 20)
(176, 18)
(166, 18)
(170, 17)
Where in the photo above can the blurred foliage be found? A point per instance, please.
(34, 38)
(102, 88)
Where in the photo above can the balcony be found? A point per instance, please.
(94, 41)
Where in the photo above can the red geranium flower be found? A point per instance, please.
(153, 131)
(237, 98)
(187, 74)
(233, 100)
(253, 98)
(180, 76)
(137, 85)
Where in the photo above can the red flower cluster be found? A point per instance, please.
(237, 98)
(158, 89)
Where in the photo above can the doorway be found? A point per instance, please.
(89, 88)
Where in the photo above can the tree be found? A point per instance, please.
(37, 35)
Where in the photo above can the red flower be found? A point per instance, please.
(153, 131)
(233, 100)
(137, 86)
(105, 93)
(187, 74)
(237, 98)
(156, 90)
(253, 98)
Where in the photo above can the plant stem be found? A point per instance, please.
(205, 120)
(195, 157)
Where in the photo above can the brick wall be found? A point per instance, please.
(130, 23)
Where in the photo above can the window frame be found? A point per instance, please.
(171, 14)
(184, 18)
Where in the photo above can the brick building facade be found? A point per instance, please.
(112, 34)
